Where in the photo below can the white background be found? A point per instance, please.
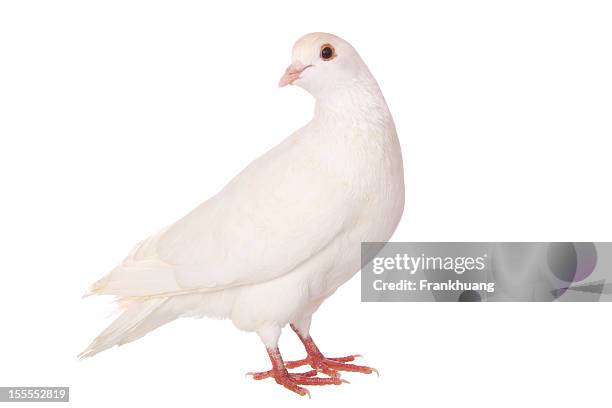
(118, 117)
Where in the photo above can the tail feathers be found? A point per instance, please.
(142, 279)
(139, 317)
(162, 315)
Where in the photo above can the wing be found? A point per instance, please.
(278, 213)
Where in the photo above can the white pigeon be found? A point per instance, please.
(285, 233)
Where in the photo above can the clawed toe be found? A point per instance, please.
(292, 381)
(346, 359)
(338, 365)
(267, 374)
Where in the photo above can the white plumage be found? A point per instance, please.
(285, 233)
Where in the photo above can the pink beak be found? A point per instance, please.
(292, 73)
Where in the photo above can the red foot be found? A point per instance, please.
(291, 381)
(329, 366)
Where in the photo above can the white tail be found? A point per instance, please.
(138, 318)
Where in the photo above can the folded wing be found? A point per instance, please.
(277, 214)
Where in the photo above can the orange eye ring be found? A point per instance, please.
(328, 52)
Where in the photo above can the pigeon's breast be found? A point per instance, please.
(371, 165)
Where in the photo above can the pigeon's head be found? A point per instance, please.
(323, 62)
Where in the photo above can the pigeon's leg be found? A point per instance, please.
(316, 359)
(291, 381)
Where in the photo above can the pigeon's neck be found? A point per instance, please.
(359, 103)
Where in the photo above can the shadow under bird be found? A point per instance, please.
(285, 233)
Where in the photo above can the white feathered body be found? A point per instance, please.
(281, 237)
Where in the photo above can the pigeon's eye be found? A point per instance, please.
(327, 52)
